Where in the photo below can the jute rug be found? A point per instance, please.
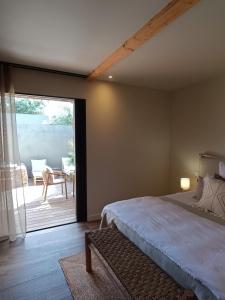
(85, 286)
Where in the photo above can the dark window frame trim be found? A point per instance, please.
(40, 69)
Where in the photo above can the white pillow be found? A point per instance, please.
(213, 196)
(38, 164)
(199, 188)
(222, 169)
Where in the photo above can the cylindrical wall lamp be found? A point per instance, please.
(185, 184)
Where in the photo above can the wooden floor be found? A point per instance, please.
(57, 210)
(29, 270)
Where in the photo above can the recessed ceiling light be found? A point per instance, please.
(110, 76)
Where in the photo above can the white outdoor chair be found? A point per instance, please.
(38, 166)
(70, 170)
(49, 179)
(67, 167)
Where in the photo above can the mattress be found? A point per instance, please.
(187, 245)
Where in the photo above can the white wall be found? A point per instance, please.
(128, 135)
(198, 125)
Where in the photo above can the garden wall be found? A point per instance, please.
(39, 140)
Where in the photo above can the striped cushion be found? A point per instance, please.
(213, 197)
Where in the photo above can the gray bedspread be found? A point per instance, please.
(188, 244)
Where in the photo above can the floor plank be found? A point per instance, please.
(56, 210)
(29, 269)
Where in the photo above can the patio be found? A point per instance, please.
(45, 128)
(56, 210)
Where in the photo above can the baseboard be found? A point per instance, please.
(94, 217)
(3, 238)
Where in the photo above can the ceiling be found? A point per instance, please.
(77, 35)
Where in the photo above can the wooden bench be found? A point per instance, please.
(137, 276)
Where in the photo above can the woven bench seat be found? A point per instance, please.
(136, 274)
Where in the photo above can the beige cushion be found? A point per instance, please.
(47, 176)
(213, 196)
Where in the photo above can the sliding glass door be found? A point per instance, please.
(53, 165)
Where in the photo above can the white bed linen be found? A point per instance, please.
(194, 245)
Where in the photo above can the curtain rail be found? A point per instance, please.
(33, 68)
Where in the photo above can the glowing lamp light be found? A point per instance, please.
(110, 77)
(185, 184)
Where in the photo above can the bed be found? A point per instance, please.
(189, 244)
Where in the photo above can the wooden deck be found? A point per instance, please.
(57, 210)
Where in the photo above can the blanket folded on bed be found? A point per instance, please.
(190, 247)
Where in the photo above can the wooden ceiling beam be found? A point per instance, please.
(168, 14)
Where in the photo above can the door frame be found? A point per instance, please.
(80, 152)
(81, 159)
